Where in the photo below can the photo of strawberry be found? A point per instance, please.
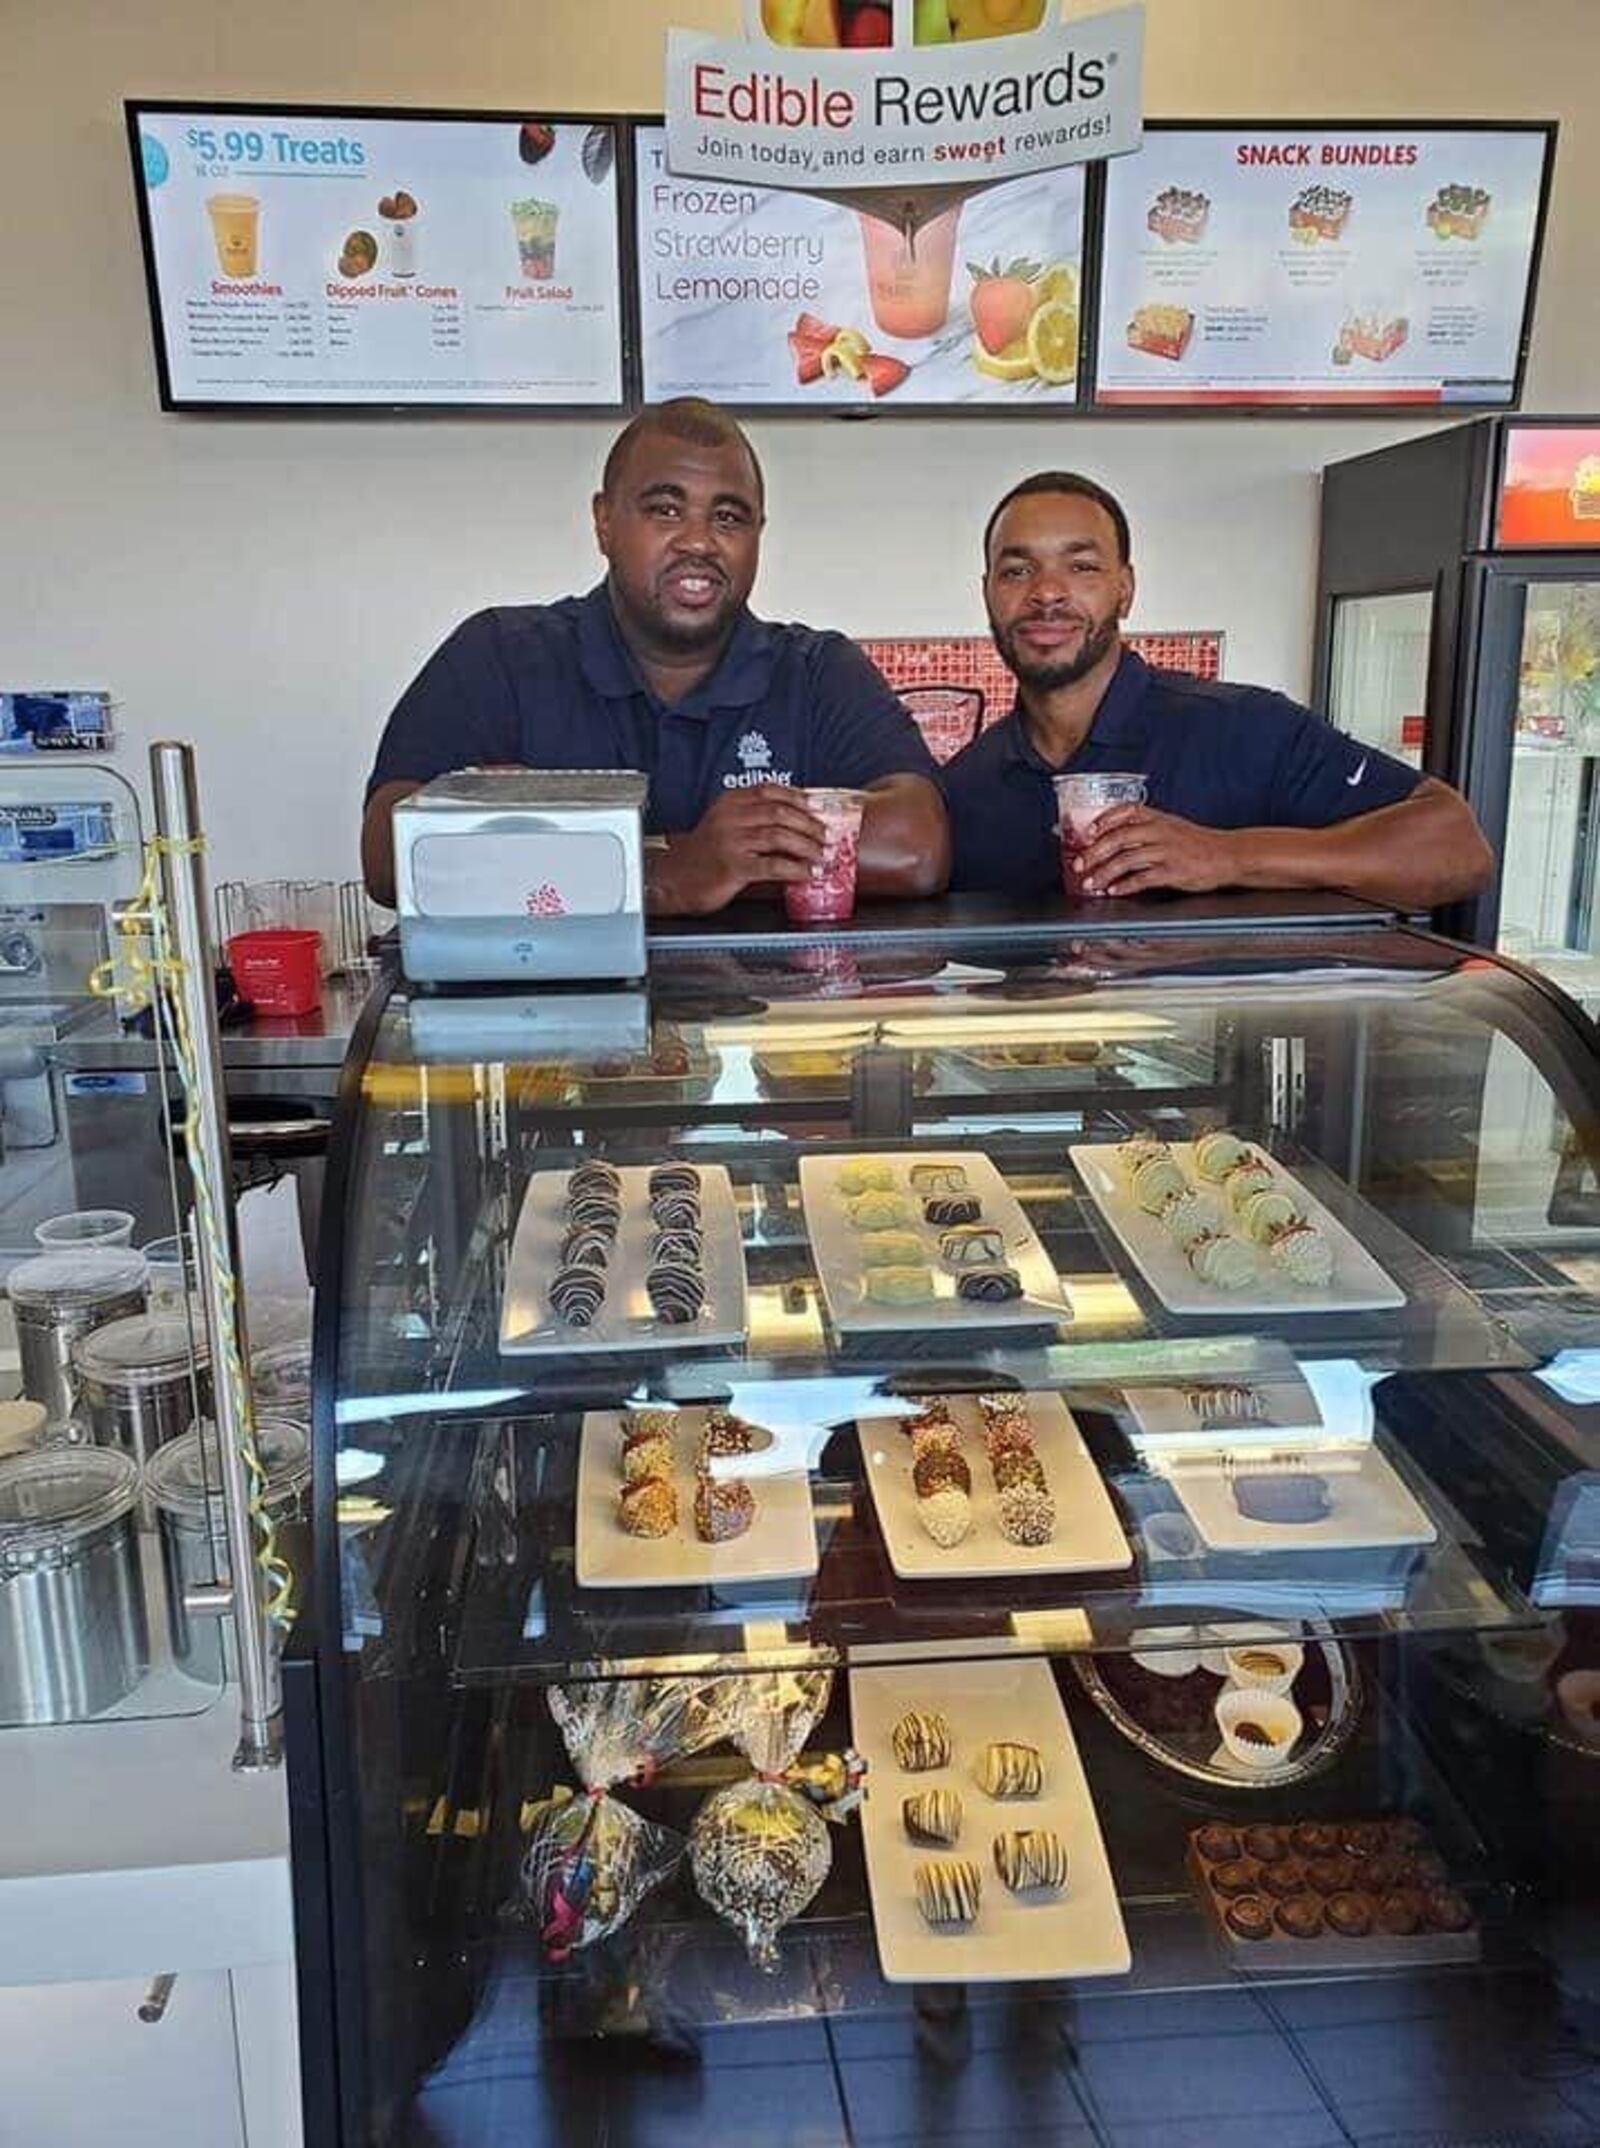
(1025, 323)
(1002, 302)
(822, 351)
(869, 26)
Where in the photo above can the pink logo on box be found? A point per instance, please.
(546, 901)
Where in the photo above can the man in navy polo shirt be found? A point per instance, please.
(663, 668)
(1246, 789)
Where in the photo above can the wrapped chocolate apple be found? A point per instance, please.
(759, 1848)
(591, 1859)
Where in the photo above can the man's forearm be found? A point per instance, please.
(905, 839)
(1426, 850)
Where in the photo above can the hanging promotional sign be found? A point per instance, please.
(935, 115)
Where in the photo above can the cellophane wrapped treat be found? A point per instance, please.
(591, 1859)
(759, 1848)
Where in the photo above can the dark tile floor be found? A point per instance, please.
(1453, 2061)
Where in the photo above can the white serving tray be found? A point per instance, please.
(1088, 1535)
(1166, 1421)
(1358, 1284)
(836, 1246)
(779, 1545)
(1077, 1932)
(625, 1321)
(1372, 1507)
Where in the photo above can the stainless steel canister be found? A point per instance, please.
(73, 1635)
(142, 1382)
(184, 1485)
(57, 1299)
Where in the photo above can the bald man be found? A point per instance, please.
(664, 668)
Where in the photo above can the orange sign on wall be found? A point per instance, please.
(1550, 490)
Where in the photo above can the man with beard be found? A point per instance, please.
(664, 669)
(1246, 789)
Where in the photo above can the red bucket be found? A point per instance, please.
(278, 972)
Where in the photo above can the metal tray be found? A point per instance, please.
(1318, 1751)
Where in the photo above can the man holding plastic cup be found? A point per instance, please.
(1113, 779)
(777, 757)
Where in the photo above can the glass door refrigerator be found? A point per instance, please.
(1458, 626)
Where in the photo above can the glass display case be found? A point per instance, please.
(927, 1538)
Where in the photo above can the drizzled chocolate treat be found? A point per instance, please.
(677, 1292)
(676, 1212)
(576, 1295)
(674, 1178)
(990, 1286)
(586, 1247)
(952, 1208)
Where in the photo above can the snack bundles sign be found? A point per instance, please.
(905, 117)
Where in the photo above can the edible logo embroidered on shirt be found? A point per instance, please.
(755, 765)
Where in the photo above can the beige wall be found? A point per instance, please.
(265, 587)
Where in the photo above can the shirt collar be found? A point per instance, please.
(741, 679)
(1122, 719)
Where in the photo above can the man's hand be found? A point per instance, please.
(1135, 848)
(748, 837)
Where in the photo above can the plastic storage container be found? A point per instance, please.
(183, 1483)
(58, 1298)
(278, 972)
(141, 1383)
(84, 1227)
(73, 1636)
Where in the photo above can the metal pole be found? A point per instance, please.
(177, 813)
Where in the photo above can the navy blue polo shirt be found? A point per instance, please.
(1225, 756)
(555, 686)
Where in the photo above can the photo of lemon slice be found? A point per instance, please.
(1059, 281)
(847, 354)
(1052, 342)
(1015, 362)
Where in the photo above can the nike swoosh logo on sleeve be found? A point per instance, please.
(1360, 772)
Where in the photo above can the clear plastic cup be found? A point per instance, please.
(174, 1274)
(85, 1227)
(829, 894)
(1080, 801)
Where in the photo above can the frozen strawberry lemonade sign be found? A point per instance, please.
(907, 117)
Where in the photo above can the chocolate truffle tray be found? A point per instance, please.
(1357, 1283)
(1323, 1895)
(996, 1872)
(1085, 1537)
(611, 1258)
(771, 1533)
(903, 1240)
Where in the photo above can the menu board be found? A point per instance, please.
(761, 295)
(322, 257)
(1313, 265)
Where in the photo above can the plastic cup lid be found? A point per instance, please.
(145, 1350)
(185, 1476)
(83, 1278)
(57, 1495)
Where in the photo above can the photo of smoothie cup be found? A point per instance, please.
(829, 894)
(535, 225)
(1080, 801)
(235, 223)
(399, 214)
(909, 271)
